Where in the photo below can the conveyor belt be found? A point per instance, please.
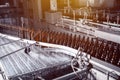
(20, 63)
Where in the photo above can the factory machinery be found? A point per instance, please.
(49, 55)
(21, 60)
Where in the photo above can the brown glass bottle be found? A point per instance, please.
(105, 50)
(114, 57)
(103, 53)
(92, 53)
(86, 44)
(110, 53)
(90, 46)
(118, 64)
(100, 48)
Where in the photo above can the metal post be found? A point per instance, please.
(103, 13)
(97, 15)
(118, 18)
(74, 16)
(62, 21)
(107, 18)
(74, 20)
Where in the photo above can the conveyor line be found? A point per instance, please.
(12, 67)
(3, 40)
(24, 61)
(15, 51)
(9, 42)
